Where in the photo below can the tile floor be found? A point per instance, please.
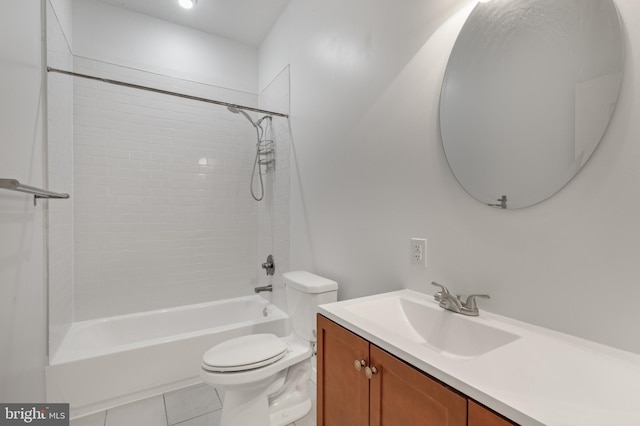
(198, 405)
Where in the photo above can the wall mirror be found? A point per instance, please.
(528, 93)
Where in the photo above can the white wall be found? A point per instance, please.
(22, 295)
(112, 34)
(369, 172)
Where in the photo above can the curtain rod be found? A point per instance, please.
(165, 92)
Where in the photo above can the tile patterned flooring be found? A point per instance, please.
(198, 405)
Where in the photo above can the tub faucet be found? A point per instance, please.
(455, 304)
(264, 288)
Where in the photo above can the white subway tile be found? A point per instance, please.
(164, 212)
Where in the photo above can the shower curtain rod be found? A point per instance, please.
(166, 92)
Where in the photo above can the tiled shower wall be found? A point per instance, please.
(162, 210)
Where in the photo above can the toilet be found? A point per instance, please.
(264, 377)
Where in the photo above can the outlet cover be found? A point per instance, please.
(419, 252)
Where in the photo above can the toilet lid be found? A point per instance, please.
(244, 353)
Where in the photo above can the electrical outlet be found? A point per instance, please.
(419, 252)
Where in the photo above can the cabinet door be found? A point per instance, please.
(343, 392)
(402, 396)
(480, 416)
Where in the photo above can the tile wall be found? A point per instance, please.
(162, 210)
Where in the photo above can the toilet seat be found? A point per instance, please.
(244, 353)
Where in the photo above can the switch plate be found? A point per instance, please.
(419, 252)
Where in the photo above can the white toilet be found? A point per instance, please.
(264, 376)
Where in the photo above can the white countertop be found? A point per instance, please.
(542, 378)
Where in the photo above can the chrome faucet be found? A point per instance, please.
(264, 288)
(455, 304)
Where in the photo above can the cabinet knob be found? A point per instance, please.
(358, 364)
(370, 372)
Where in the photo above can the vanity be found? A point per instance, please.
(399, 359)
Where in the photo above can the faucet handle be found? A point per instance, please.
(269, 266)
(438, 295)
(471, 301)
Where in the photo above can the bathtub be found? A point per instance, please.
(111, 361)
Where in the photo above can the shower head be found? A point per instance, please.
(239, 111)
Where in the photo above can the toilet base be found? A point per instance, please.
(238, 410)
(291, 414)
(279, 400)
(273, 395)
(291, 402)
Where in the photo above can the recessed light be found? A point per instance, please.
(187, 4)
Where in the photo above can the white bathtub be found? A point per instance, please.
(110, 361)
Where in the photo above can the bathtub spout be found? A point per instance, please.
(265, 288)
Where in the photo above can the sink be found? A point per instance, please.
(427, 324)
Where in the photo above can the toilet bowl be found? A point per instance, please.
(264, 377)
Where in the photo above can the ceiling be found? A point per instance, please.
(246, 21)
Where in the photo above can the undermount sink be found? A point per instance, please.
(429, 325)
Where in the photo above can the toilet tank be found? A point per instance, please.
(304, 292)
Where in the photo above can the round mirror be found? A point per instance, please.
(528, 92)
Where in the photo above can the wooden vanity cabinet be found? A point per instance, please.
(481, 416)
(395, 395)
(343, 392)
(401, 395)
